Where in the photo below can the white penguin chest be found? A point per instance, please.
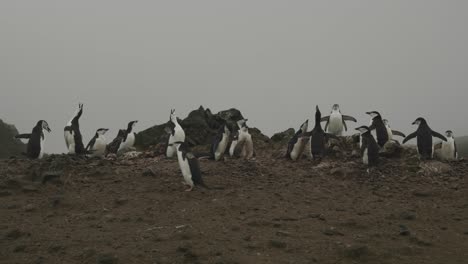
(298, 148)
(221, 147)
(365, 157)
(335, 124)
(448, 149)
(185, 168)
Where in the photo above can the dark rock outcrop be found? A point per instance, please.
(10, 145)
(200, 126)
(283, 137)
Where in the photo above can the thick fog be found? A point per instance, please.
(273, 60)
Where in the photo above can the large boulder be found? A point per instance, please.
(9, 145)
(200, 127)
(283, 137)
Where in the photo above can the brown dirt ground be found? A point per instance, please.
(264, 211)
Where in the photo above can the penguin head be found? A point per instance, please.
(385, 121)
(419, 121)
(336, 107)
(242, 123)
(304, 126)
(132, 124)
(373, 114)
(172, 116)
(102, 131)
(363, 129)
(226, 129)
(318, 114)
(43, 124)
(449, 133)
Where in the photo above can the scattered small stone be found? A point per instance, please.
(5, 193)
(277, 244)
(422, 193)
(14, 234)
(107, 259)
(121, 201)
(20, 248)
(283, 233)
(29, 208)
(30, 188)
(404, 231)
(150, 172)
(408, 215)
(356, 251)
(331, 231)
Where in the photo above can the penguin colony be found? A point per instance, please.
(237, 142)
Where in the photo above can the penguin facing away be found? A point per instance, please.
(35, 147)
(128, 142)
(73, 138)
(391, 132)
(113, 147)
(379, 126)
(220, 142)
(336, 122)
(318, 137)
(369, 147)
(189, 166)
(97, 145)
(448, 150)
(177, 135)
(424, 136)
(298, 142)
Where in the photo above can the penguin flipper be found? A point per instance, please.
(410, 136)
(24, 136)
(325, 118)
(398, 133)
(91, 143)
(435, 134)
(349, 118)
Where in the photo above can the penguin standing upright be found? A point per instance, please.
(424, 136)
(128, 142)
(379, 126)
(113, 147)
(244, 147)
(97, 145)
(318, 137)
(189, 166)
(391, 132)
(336, 122)
(220, 142)
(369, 147)
(448, 150)
(73, 137)
(298, 142)
(234, 141)
(177, 135)
(35, 147)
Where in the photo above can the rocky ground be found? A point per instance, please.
(271, 210)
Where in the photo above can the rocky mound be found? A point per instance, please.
(200, 127)
(9, 145)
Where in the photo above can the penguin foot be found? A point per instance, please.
(189, 189)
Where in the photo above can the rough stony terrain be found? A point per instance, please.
(271, 210)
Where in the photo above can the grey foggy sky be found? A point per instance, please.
(274, 60)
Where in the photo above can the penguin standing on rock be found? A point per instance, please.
(318, 137)
(298, 142)
(97, 145)
(128, 142)
(220, 142)
(369, 147)
(189, 166)
(336, 122)
(378, 124)
(391, 132)
(448, 150)
(424, 136)
(35, 147)
(177, 135)
(73, 137)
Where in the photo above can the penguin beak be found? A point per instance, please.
(48, 129)
(368, 113)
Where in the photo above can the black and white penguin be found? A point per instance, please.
(391, 132)
(318, 137)
(424, 136)
(298, 142)
(35, 147)
(97, 145)
(378, 124)
(369, 147)
(220, 142)
(448, 150)
(177, 135)
(244, 147)
(113, 147)
(128, 142)
(189, 166)
(73, 137)
(234, 141)
(336, 122)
